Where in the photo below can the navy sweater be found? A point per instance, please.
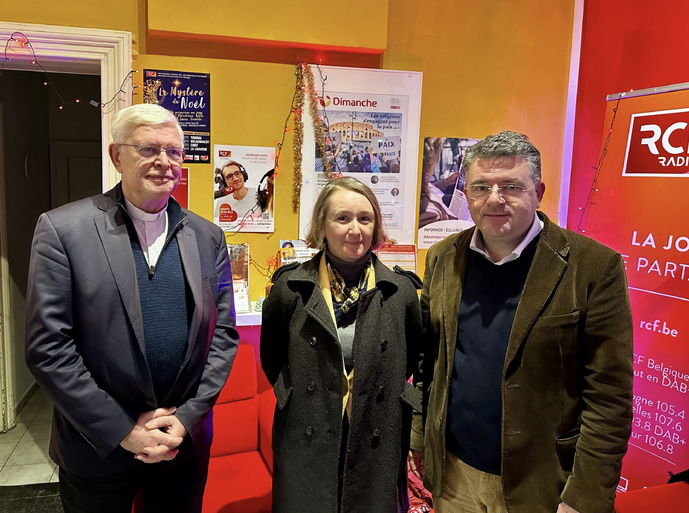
(489, 301)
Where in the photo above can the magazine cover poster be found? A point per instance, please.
(443, 206)
(370, 122)
(243, 194)
(364, 136)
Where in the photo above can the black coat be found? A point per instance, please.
(301, 356)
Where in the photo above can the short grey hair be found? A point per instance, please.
(505, 144)
(144, 114)
(316, 235)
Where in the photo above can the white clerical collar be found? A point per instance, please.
(477, 244)
(141, 215)
(151, 230)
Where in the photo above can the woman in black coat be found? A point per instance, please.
(339, 340)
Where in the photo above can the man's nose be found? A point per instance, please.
(494, 195)
(163, 159)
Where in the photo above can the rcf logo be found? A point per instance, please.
(224, 153)
(658, 144)
(150, 73)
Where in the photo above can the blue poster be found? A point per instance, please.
(188, 96)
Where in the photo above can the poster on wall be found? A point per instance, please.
(638, 207)
(443, 207)
(243, 195)
(371, 122)
(188, 96)
(239, 264)
(181, 193)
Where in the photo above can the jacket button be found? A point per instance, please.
(311, 386)
(309, 431)
(376, 432)
(313, 341)
(150, 403)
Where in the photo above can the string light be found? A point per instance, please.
(599, 166)
(20, 38)
(304, 88)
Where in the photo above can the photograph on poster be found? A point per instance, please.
(443, 207)
(239, 264)
(243, 195)
(367, 145)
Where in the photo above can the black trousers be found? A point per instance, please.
(168, 487)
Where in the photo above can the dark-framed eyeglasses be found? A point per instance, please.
(480, 192)
(148, 150)
(235, 175)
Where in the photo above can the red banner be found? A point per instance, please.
(639, 206)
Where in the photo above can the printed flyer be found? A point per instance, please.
(243, 195)
(188, 96)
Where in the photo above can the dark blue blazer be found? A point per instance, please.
(85, 335)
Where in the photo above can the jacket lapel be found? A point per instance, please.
(453, 265)
(191, 265)
(112, 229)
(316, 305)
(549, 264)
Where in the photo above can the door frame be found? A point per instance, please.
(107, 53)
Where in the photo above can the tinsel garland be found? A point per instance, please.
(303, 90)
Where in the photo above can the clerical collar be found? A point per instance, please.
(141, 215)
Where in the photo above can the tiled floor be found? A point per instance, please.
(24, 448)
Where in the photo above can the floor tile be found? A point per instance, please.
(46, 412)
(30, 452)
(28, 413)
(26, 474)
(39, 429)
(38, 397)
(5, 451)
(15, 434)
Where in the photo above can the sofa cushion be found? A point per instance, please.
(238, 483)
(241, 384)
(235, 427)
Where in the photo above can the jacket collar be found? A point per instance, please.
(115, 197)
(308, 272)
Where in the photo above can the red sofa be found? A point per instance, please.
(667, 498)
(241, 465)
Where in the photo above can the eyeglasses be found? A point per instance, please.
(480, 192)
(147, 150)
(236, 174)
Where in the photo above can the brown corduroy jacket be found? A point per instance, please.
(567, 376)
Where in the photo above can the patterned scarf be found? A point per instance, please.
(344, 298)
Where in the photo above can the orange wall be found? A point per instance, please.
(354, 23)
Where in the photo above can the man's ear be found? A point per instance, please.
(115, 153)
(540, 190)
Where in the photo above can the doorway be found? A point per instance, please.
(107, 55)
